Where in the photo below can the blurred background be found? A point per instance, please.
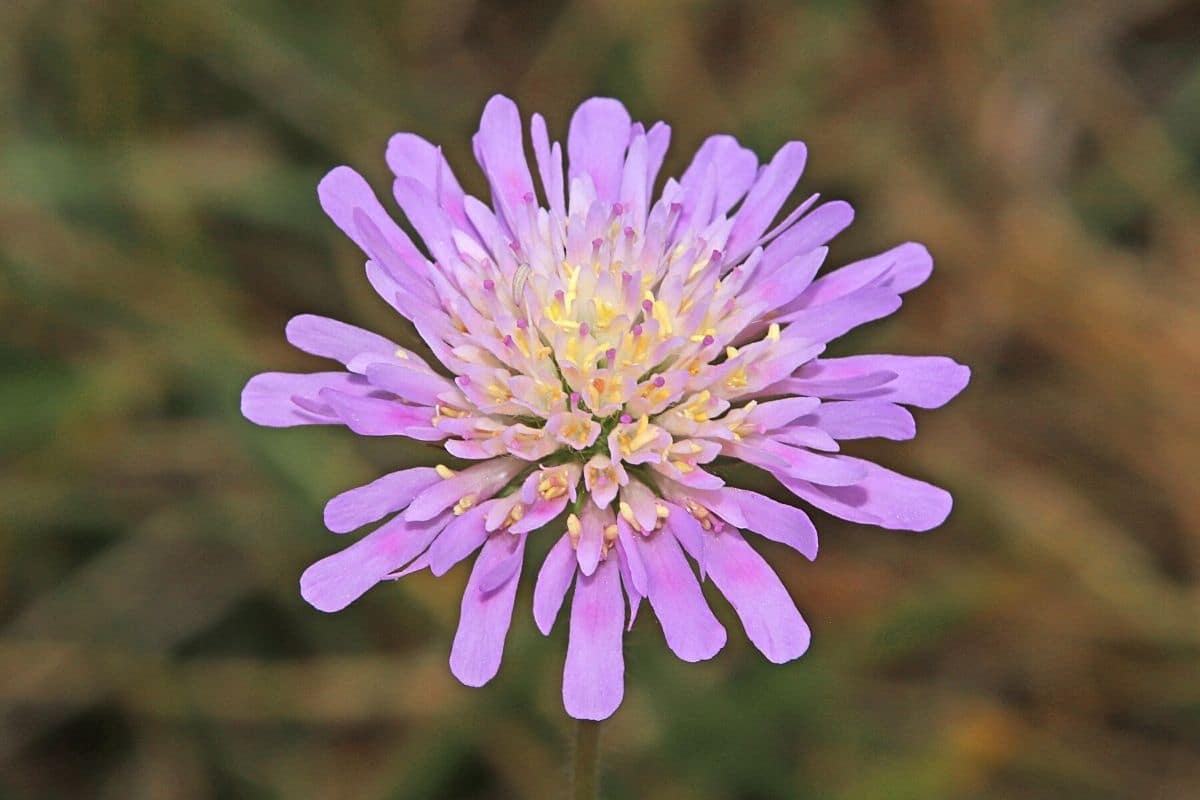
(159, 224)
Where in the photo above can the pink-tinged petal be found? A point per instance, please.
(592, 522)
(805, 436)
(631, 558)
(338, 580)
(284, 399)
(432, 223)
(761, 601)
(364, 504)
(541, 512)
(777, 413)
(377, 416)
(900, 269)
(486, 615)
(632, 592)
(794, 462)
(736, 167)
(342, 193)
(658, 139)
(410, 385)
(549, 164)
(768, 194)
(636, 184)
(504, 569)
(691, 630)
(596, 140)
(826, 322)
(884, 498)
(410, 156)
(553, 580)
(500, 149)
(463, 536)
(642, 504)
(922, 381)
(329, 338)
(831, 386)
(781, 286)
(480, 481)
(689, 533)
(773, 520)
(410, 305)
(812, 231)
(594, 674)
(861, 419)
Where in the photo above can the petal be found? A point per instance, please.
(377, 416)
(861, 419)
(812, 231)
(483, 623)
(826, 322)
(499, 146)
(761, 601)
(338, 580)
(922, 381)
(591, 537)
(481, 480)
(549, 164)
(781, 286)
(410, 156)
(364, 504)
(462, 536)
(432, 224)
(884, 498)
(768, 194)
(900, 269)
(596, 140)
(594, 674)
(343, 192)
(329, 338)
(777, 413)
(776, 521)
(270, 398)
(736, 167)
(553, 580)
(688, 624)
(411, 385)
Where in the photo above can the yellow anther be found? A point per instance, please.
(610, 533)
(573, 527)
(465, 503)
(514, 514)
(498, 392)
(444, 471)
(731, 352)
(773, 332)
(661, 511)
(700, 513)
(627, 514)
(683, 466)
(401, 353)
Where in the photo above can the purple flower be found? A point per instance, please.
(596, 354)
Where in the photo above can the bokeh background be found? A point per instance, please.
(158, 226)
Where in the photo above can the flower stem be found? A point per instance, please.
(586, 777)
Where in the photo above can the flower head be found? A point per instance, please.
(594, 354)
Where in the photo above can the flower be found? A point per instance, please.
(595, 356)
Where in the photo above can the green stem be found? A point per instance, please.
(586, 772)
